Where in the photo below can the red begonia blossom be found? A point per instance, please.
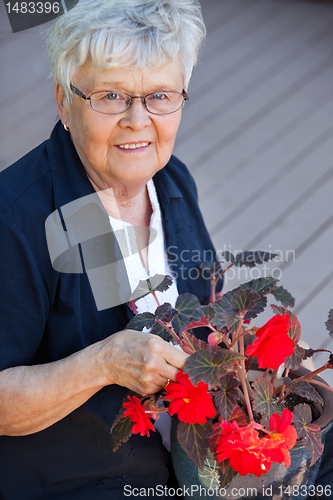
(192, 404)
(241, 445)
(272, 345)
(282, 430)
(136, 413)
(246, 452)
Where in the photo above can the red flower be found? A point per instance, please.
(282, 430)
(192, 404)
(137, 414)
(272, 345)
(247, 453)
(242, 446)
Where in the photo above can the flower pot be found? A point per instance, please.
(279, 483)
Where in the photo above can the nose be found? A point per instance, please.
(136, 116)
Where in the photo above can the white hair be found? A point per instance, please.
(141, 34)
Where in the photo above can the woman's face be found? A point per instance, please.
(98, 137)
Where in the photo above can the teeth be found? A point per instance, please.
(134, 146)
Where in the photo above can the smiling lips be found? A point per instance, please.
(136, 145)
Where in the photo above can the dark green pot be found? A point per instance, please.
(280, 482)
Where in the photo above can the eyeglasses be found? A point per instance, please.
(110, 102)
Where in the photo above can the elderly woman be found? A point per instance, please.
(121, 70)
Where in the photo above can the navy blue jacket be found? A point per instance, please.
(47, 315)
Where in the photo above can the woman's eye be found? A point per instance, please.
(112, 96)
(160, 96)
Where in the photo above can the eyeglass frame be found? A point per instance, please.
(129, 102)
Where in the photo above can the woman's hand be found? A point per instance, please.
(140, 361)
(35, 397)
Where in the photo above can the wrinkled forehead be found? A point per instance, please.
(130, 78)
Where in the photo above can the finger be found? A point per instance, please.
(175, 357)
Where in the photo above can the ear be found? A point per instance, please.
(62, 102)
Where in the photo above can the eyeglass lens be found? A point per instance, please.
(117, 102)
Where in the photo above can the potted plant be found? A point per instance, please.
(231, 421)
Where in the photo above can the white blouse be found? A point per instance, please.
(157, 255)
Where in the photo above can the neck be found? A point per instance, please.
(128, 203)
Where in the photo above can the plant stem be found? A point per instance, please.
(309, 376)
(241, 376)
(171, 331)
(241, 351)
(238, 335)
(321, 384)
(214, 281)
(154, 295)
(212, 292)
(282, 396)
(222, 273)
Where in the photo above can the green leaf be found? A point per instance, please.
(220, 306)
(227, 397)
(256, 309)
(229, 257)
(209, 476)
(201, 317)
(243, 300)
(295, 360)
(281, 294)
(251, 258)
(191, 344)
(209, 265)
(263, 286)
(329, 323)
(209, 367)
(225, 307)
(262, 396)
(203, 321)
(159, 330)
(200, 366)
(309, 432)
(217, 429)
(227, 475)
(141, 290)
(304, 389)
(203, 312)
(140, 321)
(160, 283)
(166, 313)
(231, 318)
(194, 439)
(122, 431)
(186, 305)
(238, 416)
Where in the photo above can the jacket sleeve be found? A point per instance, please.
(23, 298)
